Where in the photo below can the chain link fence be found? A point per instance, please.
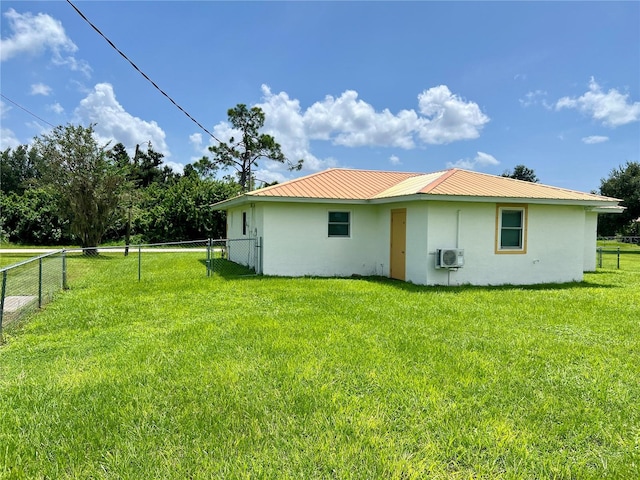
(620, 239)
(236, 256)
(617, 258)
(29, 284)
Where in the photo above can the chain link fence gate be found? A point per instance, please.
(235, 256)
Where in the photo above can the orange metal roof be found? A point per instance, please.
(336, 183)
(351, 184)
(467, 183)
(347, 184)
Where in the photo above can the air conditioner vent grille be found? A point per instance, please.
(449, 258)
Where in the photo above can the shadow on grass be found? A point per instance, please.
(97, 257)
(227, 269)
(248, 275)
(410, 287)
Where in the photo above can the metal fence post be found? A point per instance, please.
(208, 257)
(64, 270)
(600, 257)
(139, 260)
(2, 293)
(40, 283)
(618, 258)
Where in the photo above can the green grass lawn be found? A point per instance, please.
(184, 376)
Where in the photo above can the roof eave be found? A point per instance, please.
(247, 199)
(609, 206)
(230, 202)
(608, 209)
(468, 198)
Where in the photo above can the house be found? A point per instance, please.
(450, 227)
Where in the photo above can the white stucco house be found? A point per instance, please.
(450, 227)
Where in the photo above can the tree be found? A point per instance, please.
(623, 183)
(243, 154)
(520, 172)
(17, 168)
(182, 210)
(33, 218)
(86, 180)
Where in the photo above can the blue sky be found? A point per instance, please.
(411, 86)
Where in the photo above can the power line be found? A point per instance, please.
(29, 112)
(141, 72)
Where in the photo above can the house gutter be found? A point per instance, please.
(601, 206)
(595, 203)
(608, 209)
(246, 199)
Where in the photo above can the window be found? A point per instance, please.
(244, 223)
(511, 226)
(339, 224)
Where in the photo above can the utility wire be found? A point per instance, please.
(141, 72)
(29, 112)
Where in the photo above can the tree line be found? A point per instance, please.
(67, 189)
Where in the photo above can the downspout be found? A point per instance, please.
(458, 229)
(254, 228)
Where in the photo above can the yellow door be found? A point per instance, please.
(398, 243)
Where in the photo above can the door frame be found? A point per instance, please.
(392, 247)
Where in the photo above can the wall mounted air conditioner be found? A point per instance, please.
(449, 258)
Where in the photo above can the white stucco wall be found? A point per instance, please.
(555, 245)
(295, 242)
(242, 247)
(590, 237)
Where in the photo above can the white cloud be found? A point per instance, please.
(40, 128)
(535, 97)
(175, 166)
(40, 89)
(394, 160)
(450, 118)
(352, 122)
(484, 159)
(349, 121)
(480, 160)
(4, 108)
(611, 108)
(114, 123)
(196, 140)
(595, 139)
(34, 34)
(8, 139)
(56, 108)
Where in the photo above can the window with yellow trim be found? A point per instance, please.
(511, 229)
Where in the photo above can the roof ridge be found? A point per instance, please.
(374, 171)
(445, 175)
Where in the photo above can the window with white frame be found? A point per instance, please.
(339, 224)
(511, 229)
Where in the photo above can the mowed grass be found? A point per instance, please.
(184, 376)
